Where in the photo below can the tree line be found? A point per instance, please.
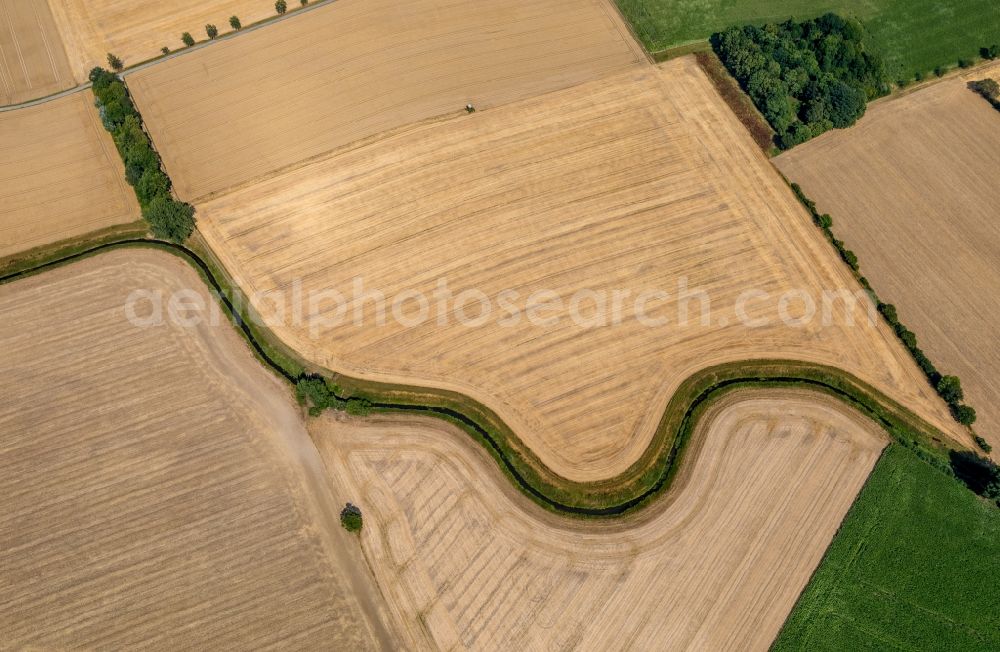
(948, 387)
(805, 77)
(168, 218)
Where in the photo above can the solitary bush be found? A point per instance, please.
(940, 71)
(350, 518)
(211, 30)
(235, 23)
(991, 52)
(165, 50)
(187, 38)
(965, 63)
(115, 62)
(281, 6)
(983, 444)
(304, 2)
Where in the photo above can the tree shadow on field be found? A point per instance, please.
(979, 474)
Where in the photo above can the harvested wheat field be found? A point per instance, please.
(245, 108)
(467, 563)
(32, 59)
(639, 182)
(135, 31)
(60, 175)
(914, 190)
(160, 490)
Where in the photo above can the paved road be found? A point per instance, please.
(178, 53)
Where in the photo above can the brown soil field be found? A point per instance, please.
(33, 61)
(245, 108)
(135, 31)
(60, 175)
(159, 486)
(468, 563)
(641, 181)
(914, 190)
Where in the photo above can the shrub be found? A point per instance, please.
(187, 38)
(235, 23)
(211, 30)
(169, 219)
(964, 414)
(979, 474)
(918, 76)
(152, 184)
(983, 444)
(965, 63)
(281, 6)
(988, 88)
(304, 2)
(313, 391)
(350, 518)
(825, 221)
(115, 62)
(950, 389)
(940, 71)
(358, 407)
(165, 50)
(991, 52)
(850, 258)
(889, 312)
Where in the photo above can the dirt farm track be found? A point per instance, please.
(467, 563)
(914, 189)
(247, 107)
(60, 175)
(630, 182)
(160, 490)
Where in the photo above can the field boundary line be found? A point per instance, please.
(637, 487)
(252, 27)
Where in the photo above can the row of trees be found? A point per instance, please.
(948, 387)
(985, 52)
(168, 219)
(212, 31)
(805, 77)
(317, 394)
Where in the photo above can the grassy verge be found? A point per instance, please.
(738, 101)
(914, 36)
(914, 566)
(33, 258)
(642, 482)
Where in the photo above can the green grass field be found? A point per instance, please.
(915, 566)
(912, 35)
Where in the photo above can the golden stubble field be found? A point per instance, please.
(914, 189)
(33, 61)
(637, 182)
(60, 175)
(468, 563)
(159, 487)
(135, 31)
(245, 108)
